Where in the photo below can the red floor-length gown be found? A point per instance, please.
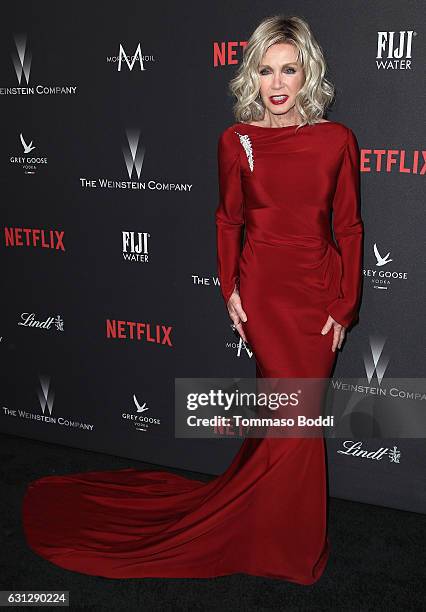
(266, 514)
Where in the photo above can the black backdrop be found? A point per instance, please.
(77, 119)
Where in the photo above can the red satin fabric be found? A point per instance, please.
(133, 524)
(266, 514)
(290, 263)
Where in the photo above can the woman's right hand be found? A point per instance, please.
(237, 313)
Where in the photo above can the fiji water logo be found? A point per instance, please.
(135, 246)
(394, 50)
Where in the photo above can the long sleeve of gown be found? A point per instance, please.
(229, 214)
(348, 231)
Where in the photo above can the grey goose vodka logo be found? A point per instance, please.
(381, 275)
(141, 421)
(127, 61)
(139, 407)
(394, 50)
(381, 261)
(22, 63)
(133, 151)
(27, 147)
(28, 161)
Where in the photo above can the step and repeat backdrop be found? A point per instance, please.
(110, 120)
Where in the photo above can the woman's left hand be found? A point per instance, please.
(338, 332)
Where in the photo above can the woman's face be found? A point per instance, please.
(280, 75)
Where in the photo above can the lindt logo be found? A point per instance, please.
(28, 237)
(29, 320)
(355, 449)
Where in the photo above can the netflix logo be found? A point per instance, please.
(228, 53)
(28, 237)
(134, 330)
(398, 161)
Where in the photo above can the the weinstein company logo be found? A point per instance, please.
(140, 420)
(28, 319)
(394, 50)
(355, 449)
(28, 237)
(134, 153)
(22, 59)
(29, 163)
(46, 397)
(135, 330)
(135, 246)
(382, 274)
(376, 360)
(123, 60)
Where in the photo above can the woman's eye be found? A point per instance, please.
(265, 70)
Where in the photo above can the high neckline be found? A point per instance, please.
(283, 127)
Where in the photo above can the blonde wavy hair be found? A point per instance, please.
(316, 94)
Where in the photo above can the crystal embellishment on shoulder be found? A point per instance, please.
(246, 142)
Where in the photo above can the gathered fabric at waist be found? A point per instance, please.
(294, 263)
(267, 238)
(307, 248)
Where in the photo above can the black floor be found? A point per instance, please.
(377, 562)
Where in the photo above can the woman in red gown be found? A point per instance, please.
(291, 292)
